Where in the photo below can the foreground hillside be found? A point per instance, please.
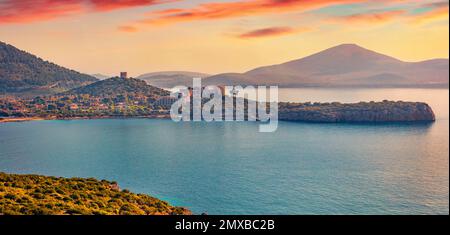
(23, 72)
(33, 194)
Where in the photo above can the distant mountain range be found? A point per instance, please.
(346, 65)
(100, 76)
(23, 72)
(170, 79)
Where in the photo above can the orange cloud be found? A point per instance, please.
(25, 11)
(127, 29)
(270, 32)
(372, 18)
(440, 12)
(208, 11)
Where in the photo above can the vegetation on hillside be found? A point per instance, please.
(43, 195)
(386, 111)
(118, 86)
(24, 72)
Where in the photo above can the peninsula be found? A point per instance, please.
(370, 112)
(79, 107)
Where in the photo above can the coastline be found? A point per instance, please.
(25, 119)
(362, 112)
(29, 119)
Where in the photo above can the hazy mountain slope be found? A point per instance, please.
(100, 76)
(170, 79)
(24, 72)
(344, 65)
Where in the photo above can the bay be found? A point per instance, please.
(231, 168)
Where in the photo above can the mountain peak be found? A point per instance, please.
(348, 46)
(345, 65)
(354, 50)
(350, 56)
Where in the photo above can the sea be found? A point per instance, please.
(231, 168)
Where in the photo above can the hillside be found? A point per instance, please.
(23, 72)
(346, 65)
(171, 79)
(42, 195)
(117, 86)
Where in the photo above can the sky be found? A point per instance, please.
(216, 36)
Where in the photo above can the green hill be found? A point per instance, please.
(118, 86)
(40, 195)
(23, 72)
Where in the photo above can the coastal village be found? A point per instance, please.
(85, 105)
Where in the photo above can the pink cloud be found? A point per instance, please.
(270, 32)
(372, 18)
(210, 11)
(25, 11)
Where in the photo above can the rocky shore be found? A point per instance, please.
(371, 112)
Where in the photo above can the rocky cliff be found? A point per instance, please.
(386, 111)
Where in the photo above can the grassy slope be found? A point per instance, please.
(23, 72)
(33, 194)
(117, 86)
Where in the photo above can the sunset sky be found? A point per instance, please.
(214, 36)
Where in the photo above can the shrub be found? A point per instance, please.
(10, 196)
(50, 195)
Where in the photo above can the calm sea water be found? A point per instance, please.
(230, 168)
